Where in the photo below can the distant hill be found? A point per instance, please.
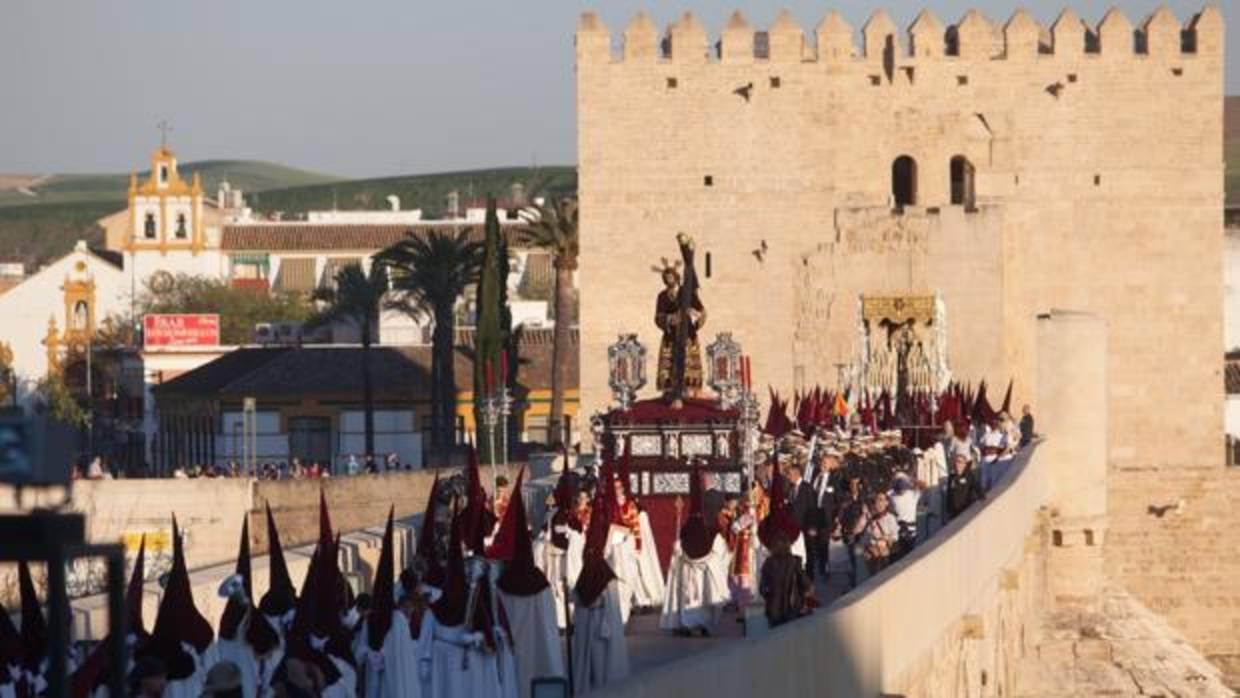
(426, 191)
(250, 175)
(40, 228)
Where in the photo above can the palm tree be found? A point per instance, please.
(554, 228)
(430, 273)
(356, 298)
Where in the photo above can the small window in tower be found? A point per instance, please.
(962, 191)
(180, 232)
(1097, 180)
(962, 79)
(672, 83)
(708, 265)
(148, 226)
(903, 182)
(163, 174)
(708, 180)
(775, 82)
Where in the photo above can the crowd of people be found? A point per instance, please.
(489, 597)
(98, 468)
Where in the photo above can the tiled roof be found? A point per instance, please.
(397, 373)
(276, 237)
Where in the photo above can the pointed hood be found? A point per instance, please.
(179, 621)
(450, 609)
(34, 627)
(234, 611)
(93, 672)
(281, 596)
(982, 411)
(595, 574)
(1006, 407)
(325, 520)
(476, 521)
(780, 519)
(697, 536)
(521, 577)
(427, 550)
(380, 619)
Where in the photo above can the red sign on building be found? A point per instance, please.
(181, 330)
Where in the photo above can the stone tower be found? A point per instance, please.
(1008, 168)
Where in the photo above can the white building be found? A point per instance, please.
(59, 307)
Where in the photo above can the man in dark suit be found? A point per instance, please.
(804, 505)
(828, 486)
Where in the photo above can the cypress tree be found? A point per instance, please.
(494, 320)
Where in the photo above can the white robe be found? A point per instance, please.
(555, 563)
(651, 588)
(392, 671)
(600, 655)
(486, 675)
(696, 589)
(240, 653)
(622, 559)
(535, 638)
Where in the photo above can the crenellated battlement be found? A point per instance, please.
(975, 37)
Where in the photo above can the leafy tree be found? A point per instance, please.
(554, 228)
(239, 309)
(357, 299)
(60, 403)
(429, 274)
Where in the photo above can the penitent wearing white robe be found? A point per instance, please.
(254, 672)
(394, 670)
(696, 589)
(622, 559)
(554, 563)
(650, 587)
(600, 655)
(535, 637)
(485, 674)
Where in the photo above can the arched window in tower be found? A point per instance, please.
(148, 226)
(180, 231)
(81, 316)
(962, 182)
(904, 182)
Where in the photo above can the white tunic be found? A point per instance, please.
(696, 589)
(600, 655)
(555, 563)
(459, 669)
(393, 670)
(535, 637)
(651, 589)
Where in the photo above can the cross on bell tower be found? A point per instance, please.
(164, 127)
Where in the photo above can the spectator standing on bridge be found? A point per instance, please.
(784, 586)
(1026, 426)
(805, 510)
(963, 487)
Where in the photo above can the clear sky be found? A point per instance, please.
(350, 87)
